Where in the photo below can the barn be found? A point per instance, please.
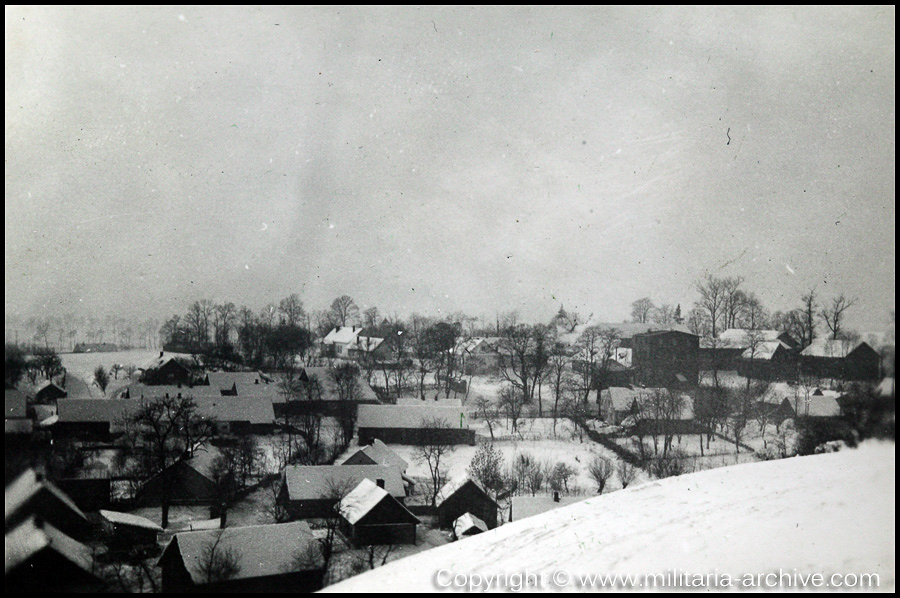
(126, 531)
(465, 496)
(842, 359)
(187, 482)
(265, 559)
(414, 424)
(48, 392)
(370, 516)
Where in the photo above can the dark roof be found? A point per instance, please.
(221, 409)
(21, 492)
(379, 453)
(454, 486)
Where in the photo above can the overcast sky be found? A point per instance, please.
(426, 159)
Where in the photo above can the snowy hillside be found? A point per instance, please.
(827, 514)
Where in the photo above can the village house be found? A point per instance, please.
(369, 347)
(478, 355)
(668, 358)
(312, 491)
(39, 558)
(725, 351)
(165, 370)
(768, 360)
(378, 453)
(187, 482)
(370, 515)
(31, 495)
(49, 392)
(339, 341)
(617, 403)
(126, 531)
(102, 419)
(465, 495)
(841, 359)
(467, 525)
(258, 558)
(418, 425)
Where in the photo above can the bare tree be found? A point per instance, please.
(807, 318)
(345, 377)
(714, 297)
(601, 469)
(218, 563)
(485, 410)
(641, 310)
(627, 472)
(833, 315)
(161, 432)
(291, 310)
(663, 315)
(433, 452)
(344, 310)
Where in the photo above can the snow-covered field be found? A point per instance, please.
(830, 514)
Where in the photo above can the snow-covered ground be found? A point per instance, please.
(830, 514)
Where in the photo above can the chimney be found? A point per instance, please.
(555, 496)
(167, 395)
(179, 395)
(380, 483)
(256, 381)
(160, 354)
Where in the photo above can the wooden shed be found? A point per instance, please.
(465, 496)
(370, 515)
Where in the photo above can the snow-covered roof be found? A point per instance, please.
(796, 508)
(830, 347)
(820, 406)
(381, 454)
(410, 416)
(32, 536)
(621, 398)
(158, 362)
(129, 519)
(316, 482)
(256, 410)
(765, 350)
(366, 343)
(260, 550)
(741, 338)
(467, 522)
(360, 501)
(343, 335)
(29, 485)
(885, 388)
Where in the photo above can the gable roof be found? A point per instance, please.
(833, 348)
(410, 416)
(365, 497)
(765, 350)
(256, 410)
(454, 486)
(260, 550)
(619, 397)
(95, 410)
(129, 519)
(468, 521)
(343, 335)
(317, 482)
(33, 536)
(740, 338)
(28, 486)
(158, 362)
(381, 454)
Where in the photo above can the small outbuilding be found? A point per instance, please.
(465, 496)
(370, 515)
(125, 530)
(468, 525)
